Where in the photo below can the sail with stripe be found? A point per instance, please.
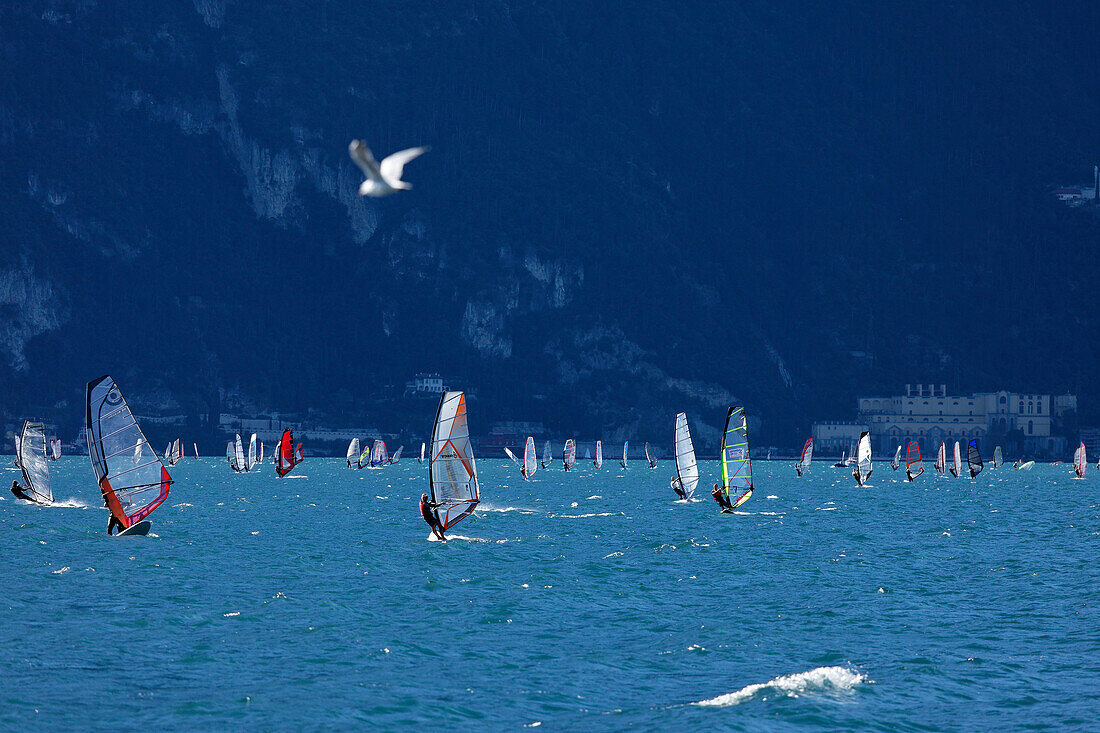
(956, 462)
(569, 454)
(626, 454)
(864, 465)
(803, 464)
(33, 462)
(378, 455)
(736, 463)
(353, 451)
(132, 489)
(974, 458)
(286, 457)
(364, 457)
(240, 462)
(649, 459)
(530, 458)
(687, 473)
(547, 455)
(452, 472)
(998, 457)
(941, 459)
(598, 463)
(1079, 460)
(397, 455)
(913, 465)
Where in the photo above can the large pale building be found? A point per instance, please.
(927, 414)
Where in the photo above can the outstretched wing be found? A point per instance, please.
(363, 158)
(393, 166)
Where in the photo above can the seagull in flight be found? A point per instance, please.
(384, 179)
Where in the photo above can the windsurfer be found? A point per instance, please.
(855, 474)
(720, 497)
(523, 472)
(19, 492)
(431, 516)
(677, 487)
(798, 469)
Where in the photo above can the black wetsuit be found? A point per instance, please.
(18, 491)
(113, 523)
(427, 510)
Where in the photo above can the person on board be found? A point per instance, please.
(720, 497)
(855, 474)
(675, 483)
(19, 492)
(523, 472)
(431, 516)
(798, 469)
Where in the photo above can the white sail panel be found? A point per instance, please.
(686, 470)
(33, 462)
(598, 463)
(530, 457)
(452, 471)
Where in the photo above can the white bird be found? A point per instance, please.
(384, 179)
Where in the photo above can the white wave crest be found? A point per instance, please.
(821, 680)
(70, 504)
(491, 508)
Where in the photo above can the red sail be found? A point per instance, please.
(286, 460)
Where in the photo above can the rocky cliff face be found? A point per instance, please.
(625, 212)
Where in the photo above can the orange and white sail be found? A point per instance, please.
(452, 472)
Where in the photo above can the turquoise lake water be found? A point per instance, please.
(588, 600)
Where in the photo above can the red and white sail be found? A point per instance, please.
(452, 472)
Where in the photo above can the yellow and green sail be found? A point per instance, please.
(736, 465)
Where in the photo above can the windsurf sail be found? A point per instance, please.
(55, 449)
(864, 466)
(649, 458)
(196, 447)
(895, 463)
(941, 459)
(452, 472)
(353, 451)
(736, 464)
(569, 454)
(378, 455)
(626, 454)
(131, 489)
(547, 455)
(598, 463)
(807, 455)
(18, 441)
(286, 458)
(240, 464)
(33, 462)
(253, 459)
(138, 450)
(364, 457)
(229, 454)
(687, 473)
(998, 457)
(973, 458)
(512, 455)
(913, 464)
(1079, 460)
(530, 458)
(422, 452)
(261, 451)
(396, 455)
(956, 462)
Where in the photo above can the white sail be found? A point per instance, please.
(55, 449)
(196, 447)
(131, 490)
(422, 452)
(513, 457)
(649, 458)
(956, 465)
(229, 454)
(626, 454)
(452, 472)
(396, 455)
(686, 471)
(261, 451)
(253, 458)
(353, 451)
(1080, 462)
(238, 454)
(138, 452)
(530, 458)
(863, 461)
(569, 454)
(896, 463)
(33, 462)
(998, 457)
(598, 463)
(547, 455)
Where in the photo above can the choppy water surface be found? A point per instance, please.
(586, 600)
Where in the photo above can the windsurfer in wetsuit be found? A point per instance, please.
(856, 476)
(798, 469)
(720, 496)
(19, 492)
(431, 516)
(523, 471)
(677, 487)
(113, 522)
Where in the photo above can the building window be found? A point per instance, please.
(1021, 407)
(1029, 408)
(1038, 408)
(1003, 399)
(1030, 427)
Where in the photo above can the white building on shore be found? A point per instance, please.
(927, 414)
